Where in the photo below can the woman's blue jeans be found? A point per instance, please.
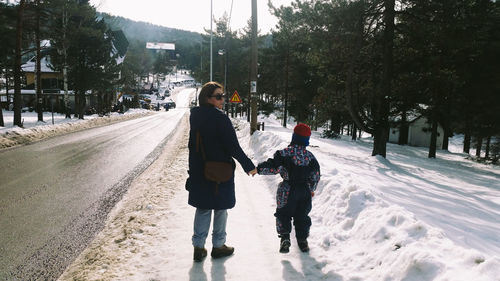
(202, 220)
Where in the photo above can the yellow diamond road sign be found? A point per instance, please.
(235, 98)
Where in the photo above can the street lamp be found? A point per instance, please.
(176, 64)
(221, 53)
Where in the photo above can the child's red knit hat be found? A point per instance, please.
(302, 130)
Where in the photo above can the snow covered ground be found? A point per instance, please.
(34, 130)
(404, 218)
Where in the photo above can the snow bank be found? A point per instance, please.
(376, 241)
(363, 237)
(36, 131)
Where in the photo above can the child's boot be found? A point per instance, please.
(285, 243)
(303, 245)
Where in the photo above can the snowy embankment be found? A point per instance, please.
(404, 218)
(33, 130)
(365, 232)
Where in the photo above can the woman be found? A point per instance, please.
(213, 135)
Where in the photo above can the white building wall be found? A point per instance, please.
(394, 135)
(419, 134)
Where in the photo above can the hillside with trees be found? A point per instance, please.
(141, 62)
(147, 32)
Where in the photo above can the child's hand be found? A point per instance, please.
(252, 172)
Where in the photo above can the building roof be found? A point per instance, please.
(411, 115)
(120, 46)
(29, 66)
(120, 42)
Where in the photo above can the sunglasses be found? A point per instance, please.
(218, 96)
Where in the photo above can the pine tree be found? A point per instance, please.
(7, 46)
(85, 52)
(17, 64)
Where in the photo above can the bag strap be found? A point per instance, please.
(199, 146)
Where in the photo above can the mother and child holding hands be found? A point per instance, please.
(212, 146)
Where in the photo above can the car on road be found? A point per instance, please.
(165, 92)
(170, 103)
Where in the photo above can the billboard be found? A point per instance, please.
(160, 46)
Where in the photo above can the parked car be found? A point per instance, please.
(171, 104)
(90, 110)
(144, 104)
(165, 92)
(28, 108)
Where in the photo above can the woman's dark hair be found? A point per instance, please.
(206, 91)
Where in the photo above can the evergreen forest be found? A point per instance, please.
(346, 66)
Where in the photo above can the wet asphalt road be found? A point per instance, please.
(56, 194)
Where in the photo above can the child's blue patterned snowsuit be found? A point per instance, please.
(301, 173)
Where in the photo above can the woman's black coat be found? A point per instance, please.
(221, 144)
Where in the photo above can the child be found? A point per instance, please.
(300, 172)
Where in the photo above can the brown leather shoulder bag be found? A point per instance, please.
(215, 171)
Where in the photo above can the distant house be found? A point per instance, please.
(419, 133)
(50, 78)
(52, 81)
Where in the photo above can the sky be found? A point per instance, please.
(191, 15)
(406, 217)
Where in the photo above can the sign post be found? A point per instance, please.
(235, 98)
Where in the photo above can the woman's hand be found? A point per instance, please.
(252, 172)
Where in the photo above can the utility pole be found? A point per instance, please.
(285, 109)
(253, 71)
(37, 71)
(201, 61)
(211, 35)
